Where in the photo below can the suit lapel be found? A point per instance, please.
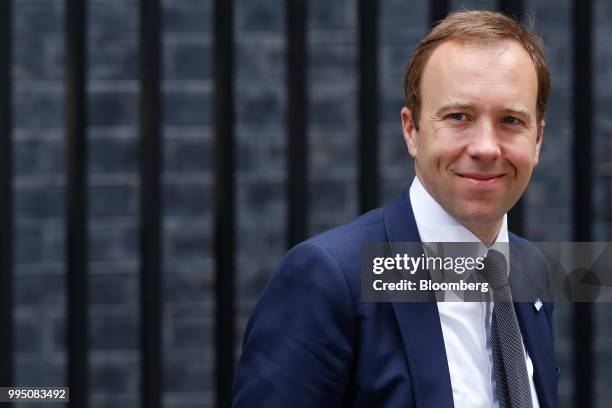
(419, 322)
(536, 335)
(421, 330)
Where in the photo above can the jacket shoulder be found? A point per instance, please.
(346, 239)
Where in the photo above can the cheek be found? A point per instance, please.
(521, 157)
(449, 155)
(519, 142)
(441, 148)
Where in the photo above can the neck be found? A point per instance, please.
(485, 233)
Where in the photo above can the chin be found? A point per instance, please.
(480, 215)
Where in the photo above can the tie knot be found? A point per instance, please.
(494, 270)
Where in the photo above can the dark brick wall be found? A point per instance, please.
(188, 160)
(602, 192)
(39, 213)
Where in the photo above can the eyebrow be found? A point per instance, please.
(518, 111)
(454, 106)
(465, 105)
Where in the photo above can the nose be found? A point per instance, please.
(484, 142)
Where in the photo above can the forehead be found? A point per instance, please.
(481, 73)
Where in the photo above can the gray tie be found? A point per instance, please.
(513, 390)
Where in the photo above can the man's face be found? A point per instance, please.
(478, 138)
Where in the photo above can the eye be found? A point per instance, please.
(458, 116)
(511, 120)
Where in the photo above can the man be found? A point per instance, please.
(476, 90)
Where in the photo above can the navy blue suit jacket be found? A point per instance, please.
(312, 342)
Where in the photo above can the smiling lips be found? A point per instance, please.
(481, 180)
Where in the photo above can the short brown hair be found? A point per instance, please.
(475, 26)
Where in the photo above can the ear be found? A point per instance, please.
(409, 131)
(539, 138)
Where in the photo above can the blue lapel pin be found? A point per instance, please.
(538, 305)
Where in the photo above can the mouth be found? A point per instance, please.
(481, 179)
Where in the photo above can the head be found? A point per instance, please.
(476, 89)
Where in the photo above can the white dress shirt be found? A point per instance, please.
(466, 326)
